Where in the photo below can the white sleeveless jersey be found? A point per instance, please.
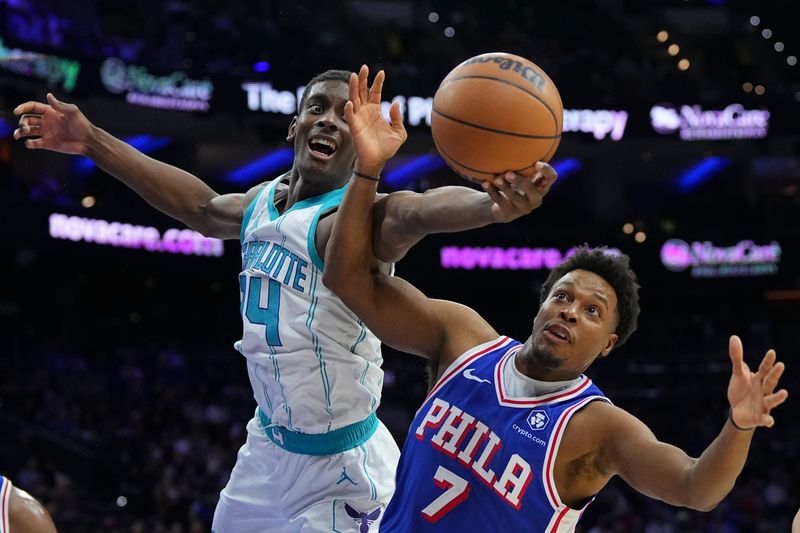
(314, 366)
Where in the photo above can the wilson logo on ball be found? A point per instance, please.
(496, 112)
(506, 63)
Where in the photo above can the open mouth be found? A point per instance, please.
(557, 333)
(322, 147)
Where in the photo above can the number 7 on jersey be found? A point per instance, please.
(456, 490)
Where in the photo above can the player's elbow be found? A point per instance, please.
(704, 507)
(397, 226)
(707, 500)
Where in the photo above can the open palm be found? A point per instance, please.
(752, 395)
(375, 139)
(53, 126)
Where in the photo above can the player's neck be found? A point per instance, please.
(304, 187)
(526, 385)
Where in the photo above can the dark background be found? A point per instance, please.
(122, 401)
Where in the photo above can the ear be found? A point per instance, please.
(292, 129)
(612, 341)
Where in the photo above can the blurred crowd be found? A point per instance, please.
(119, 436)
(412, 41)
(122, 420)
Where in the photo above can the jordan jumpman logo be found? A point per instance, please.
(345, 477)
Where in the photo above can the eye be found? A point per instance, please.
(560, 295)
(315, 108)
(593, 310)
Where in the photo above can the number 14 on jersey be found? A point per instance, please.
(251, 309)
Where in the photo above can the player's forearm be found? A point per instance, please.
(349, 257)
(404, 218)
(713, 475)
(169, 189)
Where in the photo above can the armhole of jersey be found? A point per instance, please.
(273, 212)
(249, 212)
(324, 209)
(551, 453)
(465, 359)
(5, 499)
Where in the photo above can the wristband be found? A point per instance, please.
(730, 417)
(366, 176)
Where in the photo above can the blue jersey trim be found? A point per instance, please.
(249, 213)
(330, 443)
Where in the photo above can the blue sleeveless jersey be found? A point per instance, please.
(5, 496)
(477, 460)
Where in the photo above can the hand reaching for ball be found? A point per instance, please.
(515, 195)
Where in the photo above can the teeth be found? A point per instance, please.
(324, 142)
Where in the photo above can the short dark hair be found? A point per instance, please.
(339, 75)
(613, 267)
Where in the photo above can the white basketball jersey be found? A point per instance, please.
(314, 366)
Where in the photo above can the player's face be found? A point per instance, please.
(574, 325)
(323, 147)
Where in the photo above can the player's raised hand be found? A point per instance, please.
(515, 195)
(376, 140)
(53, 126)
(752, 394)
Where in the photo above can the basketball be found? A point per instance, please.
(496, 112)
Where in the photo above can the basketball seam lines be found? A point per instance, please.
(503, 132)
(552, 113)
(451, 158)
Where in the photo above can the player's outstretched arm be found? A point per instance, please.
(667, 473)
(403, 218)
(63, 128)
(393, 309)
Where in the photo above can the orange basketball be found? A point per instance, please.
(496, 112)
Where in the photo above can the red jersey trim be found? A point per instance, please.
(554, 397)
(5, 496)
(466, 359)
(552, 451)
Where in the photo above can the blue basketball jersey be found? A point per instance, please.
(5, 496)
(476, 459)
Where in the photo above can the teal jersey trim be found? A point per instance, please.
(373, 490)
(333, 201)
(273, 352)
(336, 194)
(249, 213)
(273, 212)
(361, 336)
(308, 202)
(333, 518)
(317, 346)
(330, 443)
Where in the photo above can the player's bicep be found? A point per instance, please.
(225, 213)
(404, 318)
